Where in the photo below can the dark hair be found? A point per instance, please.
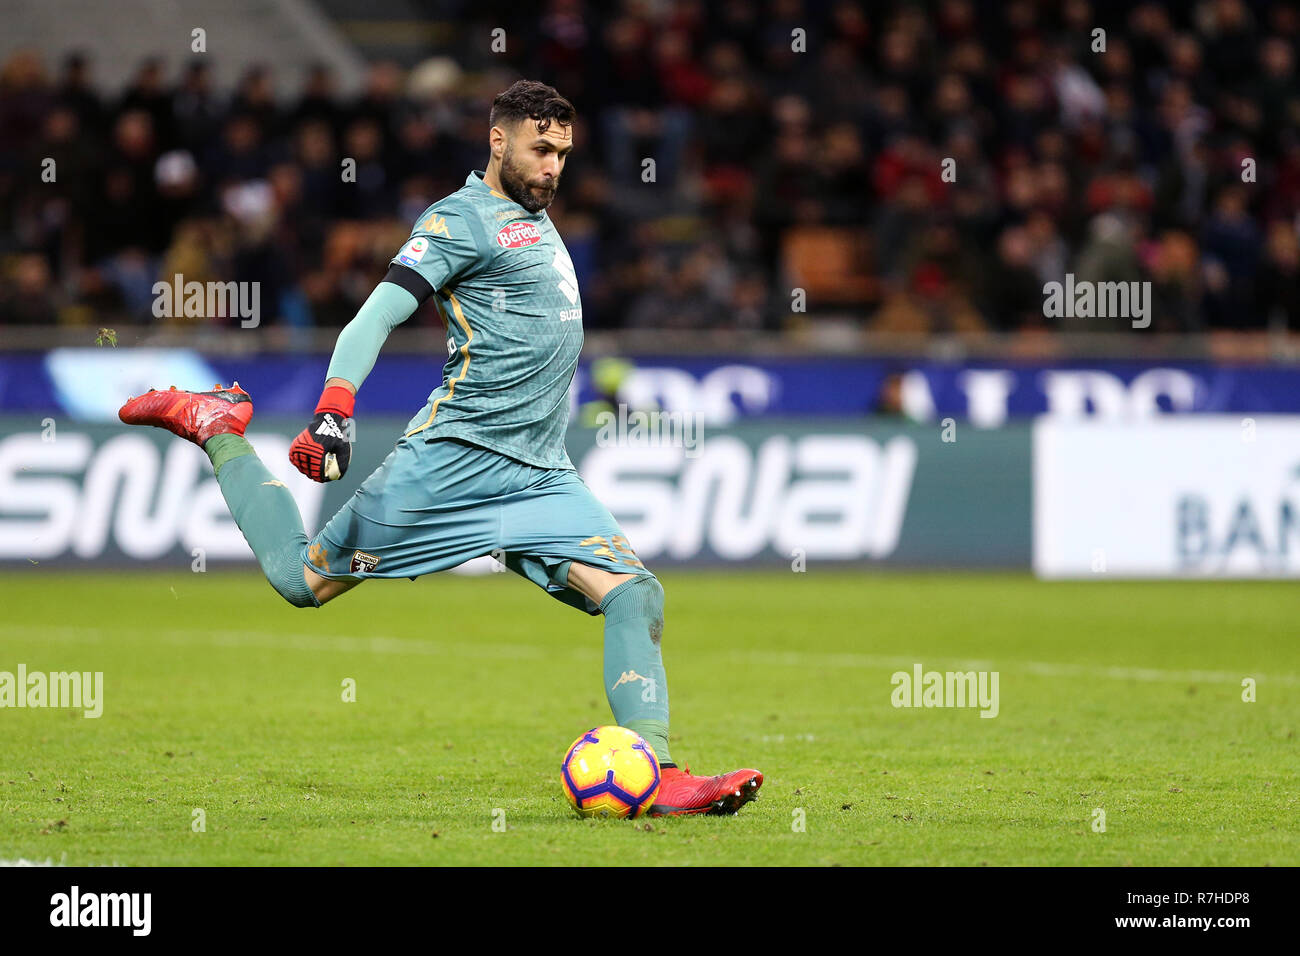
(529, 99)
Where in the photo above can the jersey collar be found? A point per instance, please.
(475, 178)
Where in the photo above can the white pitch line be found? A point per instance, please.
(290, 641)
(417, 646)
(49, 862)
(46, 862)
(1041, 668)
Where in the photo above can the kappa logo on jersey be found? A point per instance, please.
(363, 563)
(330, 427)
(414, 251)
(435, 225)
(518, 234)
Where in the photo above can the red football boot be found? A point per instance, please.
(195, 416)
(681, 793)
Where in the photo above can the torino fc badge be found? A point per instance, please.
(363, 563)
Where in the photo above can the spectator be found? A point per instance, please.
(983, 148)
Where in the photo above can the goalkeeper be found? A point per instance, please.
(482, 468)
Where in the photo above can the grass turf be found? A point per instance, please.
(1117, 696)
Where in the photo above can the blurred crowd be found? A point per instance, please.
(796, 146)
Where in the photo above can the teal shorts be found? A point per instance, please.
(437, 503)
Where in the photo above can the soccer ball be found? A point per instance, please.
(610, 772)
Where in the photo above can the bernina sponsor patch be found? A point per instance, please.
(363, 563)
(413, 251)
(516, 235)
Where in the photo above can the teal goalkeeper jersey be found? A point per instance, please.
(506, 289)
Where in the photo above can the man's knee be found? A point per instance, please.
(294, 587)
(300, 598)
(656, 589)
(651, 586)
(642, 596)
(318, 589)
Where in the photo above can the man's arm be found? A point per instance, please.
(358, 345)
(323, 449)
(446, 245)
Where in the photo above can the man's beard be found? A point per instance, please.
(515, 186)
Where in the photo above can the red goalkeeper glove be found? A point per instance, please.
(323, 449)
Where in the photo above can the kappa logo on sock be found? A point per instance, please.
(626, 678)
(648, 685)
(363, 563)
(330, 427)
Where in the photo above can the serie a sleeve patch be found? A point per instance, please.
(413, 253)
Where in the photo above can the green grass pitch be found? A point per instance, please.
(1124, 697)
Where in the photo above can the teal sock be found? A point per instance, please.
(635, 683)
(266, 513)
(222, 448)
